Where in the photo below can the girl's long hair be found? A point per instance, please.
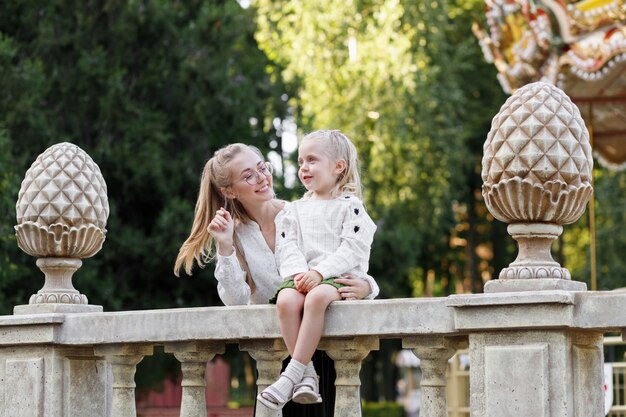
(200, 245)
(338, 146)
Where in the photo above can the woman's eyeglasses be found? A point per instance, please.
(252, 177)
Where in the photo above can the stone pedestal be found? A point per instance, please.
(58, 295)
(534, 269)
(528, 358)
(536, 373)
(51, 381)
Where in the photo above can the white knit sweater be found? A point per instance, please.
(333, 237)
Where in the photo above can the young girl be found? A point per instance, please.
(322, 236)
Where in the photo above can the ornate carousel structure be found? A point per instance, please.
(579, 46)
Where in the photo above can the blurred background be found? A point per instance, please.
(150, 89)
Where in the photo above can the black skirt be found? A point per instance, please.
(325, 368)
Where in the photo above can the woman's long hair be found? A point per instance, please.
(200, 245)
(338, 146)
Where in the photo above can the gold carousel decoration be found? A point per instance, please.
(579, 46)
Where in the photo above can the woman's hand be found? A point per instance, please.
(355, 288)
(221, 228)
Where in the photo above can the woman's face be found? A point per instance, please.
(251, 181)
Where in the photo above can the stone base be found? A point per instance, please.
(536, 373)
(540, 284)
(56, 308)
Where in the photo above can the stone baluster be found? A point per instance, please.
(268, 355)
(433, 352)
(123, 360)
(348, 354)
(193, 358)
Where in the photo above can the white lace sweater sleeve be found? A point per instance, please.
(231, 281)
(373, 287)
(357, 235)
(289, 257)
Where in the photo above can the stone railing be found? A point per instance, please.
(534, 337)
(539, 352)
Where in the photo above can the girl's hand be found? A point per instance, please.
(221, 228)
(355, 288)
(310, 280)
(297, 280)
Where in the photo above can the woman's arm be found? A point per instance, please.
(231, 281)
(231, 278)
(358, 288)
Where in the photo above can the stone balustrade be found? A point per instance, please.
(523, 347)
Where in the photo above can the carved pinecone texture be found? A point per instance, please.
(539, 136)
(63, 186)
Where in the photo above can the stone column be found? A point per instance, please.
(268, 355)
(433, 352)
(123, 360)
(87, 383)
(527, 356)
(193, 358)
(348, 354)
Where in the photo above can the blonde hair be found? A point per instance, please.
(338, 146)
(200, 245)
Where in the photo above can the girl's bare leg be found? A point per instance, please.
(290, 304)
(312, 324)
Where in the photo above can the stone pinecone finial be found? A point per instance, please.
(62, 205)
(537, 172)
(537, 158)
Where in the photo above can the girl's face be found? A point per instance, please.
(251, 180)
(318, 172)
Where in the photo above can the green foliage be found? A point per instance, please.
(394, 76)
(149, 90)
(382, 409)
(610, 216)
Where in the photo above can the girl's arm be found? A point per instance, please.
(231, 281)
(357, 235)
(289, 258)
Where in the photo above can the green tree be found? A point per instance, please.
(149, 90)
(610, 216)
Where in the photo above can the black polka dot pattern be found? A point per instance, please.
(356, 211)
(283, 234)
(356, 229)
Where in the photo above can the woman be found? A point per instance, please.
(235, 223)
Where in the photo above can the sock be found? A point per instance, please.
(293, 372)
(309, 372)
